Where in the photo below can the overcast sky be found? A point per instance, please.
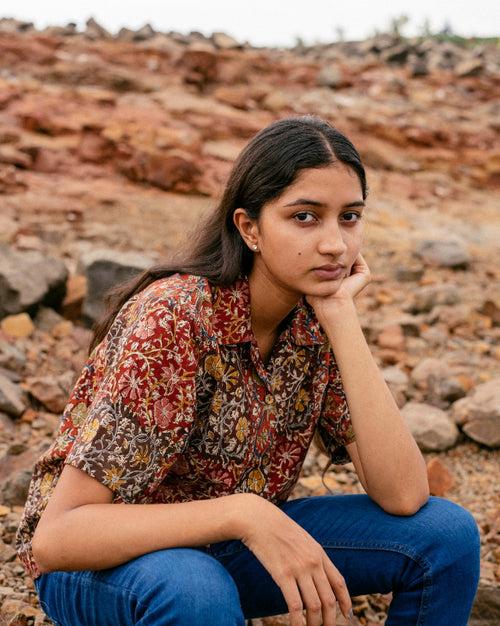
(266, 22)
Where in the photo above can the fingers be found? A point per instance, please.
(312, 603)
(327, 598)
(293, 600)
(338, 585)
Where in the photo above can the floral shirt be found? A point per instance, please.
(176, 403)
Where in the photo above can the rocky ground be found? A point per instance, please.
(112, 147)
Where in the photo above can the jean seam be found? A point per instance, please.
(396, 547)
(402, 549)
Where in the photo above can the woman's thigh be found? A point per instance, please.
(376, 552)
(171, 587)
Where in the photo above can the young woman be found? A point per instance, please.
(163, 499)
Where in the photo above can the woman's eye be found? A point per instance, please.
(357, 215)
(303, 214)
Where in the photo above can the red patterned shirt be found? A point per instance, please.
(176, 404)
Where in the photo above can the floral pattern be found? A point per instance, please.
(176, 404)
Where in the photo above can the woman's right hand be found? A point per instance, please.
(297, 563)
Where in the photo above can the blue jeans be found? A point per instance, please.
(429, 560)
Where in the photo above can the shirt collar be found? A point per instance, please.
(231, 317)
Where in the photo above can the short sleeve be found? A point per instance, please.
(334, 424)
(142, 409)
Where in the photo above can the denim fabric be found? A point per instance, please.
(429, 560)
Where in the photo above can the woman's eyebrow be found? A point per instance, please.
(307, 201)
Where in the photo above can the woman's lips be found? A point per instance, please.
(330, 274)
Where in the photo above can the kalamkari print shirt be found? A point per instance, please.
(176, 403)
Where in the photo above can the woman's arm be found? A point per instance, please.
(393, 466)
(81, 529)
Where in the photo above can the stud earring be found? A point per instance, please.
(255, 246)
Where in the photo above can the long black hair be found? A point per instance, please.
(267, 165)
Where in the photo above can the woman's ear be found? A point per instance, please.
(246, 226)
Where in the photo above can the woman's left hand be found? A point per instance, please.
(350, 287)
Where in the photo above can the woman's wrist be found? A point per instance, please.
(337, 313)
(244, 511)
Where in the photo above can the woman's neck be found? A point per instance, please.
(269, 304)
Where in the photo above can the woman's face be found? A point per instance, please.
(315, 222)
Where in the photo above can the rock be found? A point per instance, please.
(392, 337)
(469, 67)
(8, 229)
(170, 169)
(12, 156)
(15, 488)
(395, 376)
(440, 479)
(11, 25)
(10, 180)
(93, 147)
(7, 553)
(70, 30)
(443, 253)
(12, 399)
(11, 357)
(397, 381)
(19, 613)
(479, 413)
(276, 101)
(492, 310)
(419, 67)
(396, 55)
(224, 41)
(46, 319)
(426, 298)
(200, 64)
(104, 269)
(144, 33)
(436, 378)
(6, 425)
(95, 31)
(17, 325)
(409, 273)
(431, 428)
(330, 76)
(28, 279)
(434, 336)
(75, 296)
(486, 608)
(47, 391)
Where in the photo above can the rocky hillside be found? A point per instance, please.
(113, 146)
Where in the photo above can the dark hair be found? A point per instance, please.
(268, 164)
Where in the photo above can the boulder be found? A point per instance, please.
(225, 41)
(479, 413)
(29, 279)
(443, 253)
(427, 297)
(95, 31)
(437, 379)
(12, 399)
(431, 427)
(105, 269)
(440, 479)
(486, 608)
(330, 76)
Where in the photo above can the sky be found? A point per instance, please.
(266, 22)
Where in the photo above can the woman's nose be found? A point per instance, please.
(332, 242)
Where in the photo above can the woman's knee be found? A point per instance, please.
(449, 527)
(190, 586)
